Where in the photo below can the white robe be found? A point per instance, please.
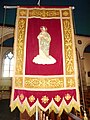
(44, 40)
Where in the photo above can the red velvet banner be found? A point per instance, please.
(45, 73)
(32, 49)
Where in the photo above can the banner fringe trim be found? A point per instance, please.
(52, 106)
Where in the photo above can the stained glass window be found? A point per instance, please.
(8, 65)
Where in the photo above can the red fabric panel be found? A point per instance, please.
(32, 49)
(49, 94)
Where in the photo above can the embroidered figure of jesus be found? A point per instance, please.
(44, 40)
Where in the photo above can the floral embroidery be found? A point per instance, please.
(21, 96)
(67, 96)
(57, 98)
(31, 98)
(44, 99)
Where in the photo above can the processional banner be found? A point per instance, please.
(45, 72)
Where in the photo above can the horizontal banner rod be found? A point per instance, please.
(10, 7)
(13, 7)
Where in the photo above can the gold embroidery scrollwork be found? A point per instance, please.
(44, 13)
(65, 13)
(44, 82)
(69, 59)
(20, 46)
(22, 12)
(70, 82)
(19, 82)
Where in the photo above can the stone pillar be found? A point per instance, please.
(82, 74)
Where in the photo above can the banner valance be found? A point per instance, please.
(45, 72)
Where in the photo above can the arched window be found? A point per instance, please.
(8, 63)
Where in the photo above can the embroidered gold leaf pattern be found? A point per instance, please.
(20, 46)
(22, 12)
(44, 99)
(19, 82)
(21, 96)
(68, 47)
(57, 98)
(44, 13)
(67, 96)
(70, 82)
(65, 13)
(44, 82)
(31, 98)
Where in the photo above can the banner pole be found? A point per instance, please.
(36, 112)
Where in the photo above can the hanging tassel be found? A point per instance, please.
(85, 116)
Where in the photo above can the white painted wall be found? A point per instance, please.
(87, 67)
(85, 42)
(84, 56)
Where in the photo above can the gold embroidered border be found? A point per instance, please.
(20, 46)
(65, 13)
(19, 82)
(70, 82)
(44, 13)
(23, 12)
(44, 82)
(68, 46)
